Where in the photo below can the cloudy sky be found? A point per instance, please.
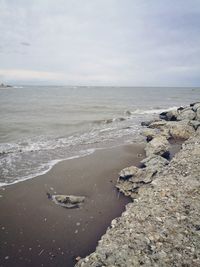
(100, 42)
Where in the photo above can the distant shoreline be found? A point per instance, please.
(2, 85)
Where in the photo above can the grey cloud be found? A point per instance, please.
(131, 42)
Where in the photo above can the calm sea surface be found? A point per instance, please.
(40, 126)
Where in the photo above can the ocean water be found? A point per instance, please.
(42, 125)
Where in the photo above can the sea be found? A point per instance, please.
(42, 125)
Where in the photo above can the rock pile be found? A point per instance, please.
(174, 124)
(161, 227)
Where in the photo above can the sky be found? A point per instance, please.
(100, 42)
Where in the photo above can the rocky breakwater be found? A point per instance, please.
(161, 227)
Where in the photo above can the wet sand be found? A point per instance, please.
(34, 231)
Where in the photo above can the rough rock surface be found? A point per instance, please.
(68, 201)
(132, 178)
(175, 129)
(196, 106)
(169, 115)
(161, 227)
(182, 113)
(155, 161)
(150, 134)
(158, 146)
(181, 130)
(186, 115)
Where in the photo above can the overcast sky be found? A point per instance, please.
(100, 42)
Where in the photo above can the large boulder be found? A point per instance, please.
(181, 130)
(132, 178)
(186, 114)
(175, 129)
(68, 201)
(170, 115)
(158, 146)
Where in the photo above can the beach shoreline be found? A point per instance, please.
(36, 231)
(161, 226)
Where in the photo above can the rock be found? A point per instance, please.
(186, 114)
(158, 146)
(78, 258)
(175, 129)
(196, 106)
(195, 124)
(157, 124)
(146, 123)
(154, 161)
(132, 178)
(161, 227)
(180, 108)
(198, 114)
(169, 115)
(130, 172)
(181, 130)
(192, 104)
(150, 134)
(68, 201)
(163, 115)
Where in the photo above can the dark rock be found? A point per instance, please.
(163, 115)
(180, 108)
(166, 155)
(197, 227)
(192, 104)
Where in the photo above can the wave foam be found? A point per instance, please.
(48, 167)
(152, 111)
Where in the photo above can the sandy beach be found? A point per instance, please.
(34, 231)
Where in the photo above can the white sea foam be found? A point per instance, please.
(48, 166)
(151, 111)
